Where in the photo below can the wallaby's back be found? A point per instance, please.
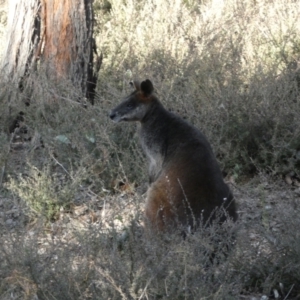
(186, 183)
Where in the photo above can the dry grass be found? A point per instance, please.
(227, 66)
(72, 185)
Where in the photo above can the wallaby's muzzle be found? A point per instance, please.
(113, 115)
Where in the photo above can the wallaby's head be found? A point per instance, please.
(135, 106)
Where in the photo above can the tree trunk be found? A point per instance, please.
(59, 34)
(21, 38)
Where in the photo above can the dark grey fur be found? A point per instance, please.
(186, 182)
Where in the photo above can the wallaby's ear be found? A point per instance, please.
(135, 84)
(147, 87)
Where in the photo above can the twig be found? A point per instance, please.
(289, 292)
(2, 175)
(90, 193)
(6, 156)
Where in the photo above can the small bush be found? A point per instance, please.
(44, 193)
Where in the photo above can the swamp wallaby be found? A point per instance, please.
(186, 183)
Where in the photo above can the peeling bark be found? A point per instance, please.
(59, 34)
(21, 36)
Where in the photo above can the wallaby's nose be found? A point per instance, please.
(112, 115)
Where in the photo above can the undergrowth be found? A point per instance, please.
(101, 262)
(229, 67)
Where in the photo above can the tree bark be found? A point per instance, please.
(57, 33)
(21, 38)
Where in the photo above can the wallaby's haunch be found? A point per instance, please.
(186, 183)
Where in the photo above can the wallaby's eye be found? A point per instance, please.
(129, 105)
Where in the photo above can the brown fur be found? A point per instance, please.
(186, 184)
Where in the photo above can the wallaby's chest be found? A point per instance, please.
(153, 144)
